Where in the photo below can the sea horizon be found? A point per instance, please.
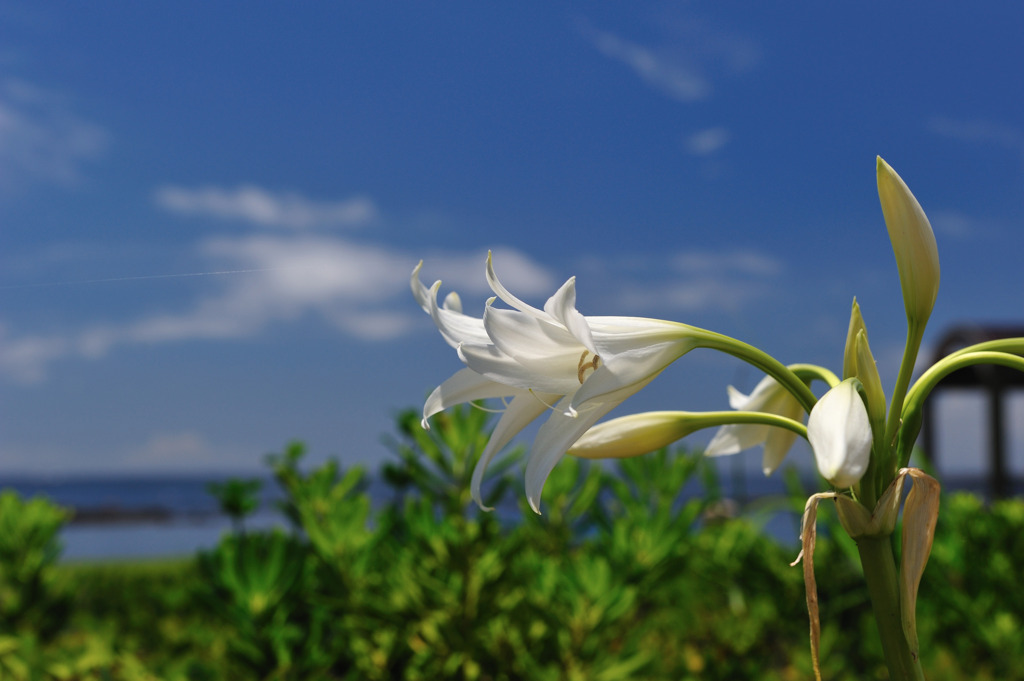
(139, 516)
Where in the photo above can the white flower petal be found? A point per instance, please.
(452, 303)
(507, 297)
(464, 386)
(528, 339)
(491, 362)
(734, 438)
(643, 362)
(777, 443)
(419, 290)
(562, 307)
(764, 392)
(454, 326)
(617, 335)
(521, 411)
(840, 435)
(768, 397)
(739, 401)
(560, 431)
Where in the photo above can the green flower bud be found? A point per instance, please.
(917, 256)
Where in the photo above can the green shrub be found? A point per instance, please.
(971, 599)
(237, 499)
(256, 584)
(29, 549)
(633, 572)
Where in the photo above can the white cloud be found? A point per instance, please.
(362, 290)
(517, 271)
(979, 132)
(673, 76)
(735, 53)
(41, 138)
(696, 295)
(956, 225)
(692, 281)
(707, 142)
(25, 358)
(688, 53)
(184, 452)
(727, 263)
(259, 206)
(186, 447)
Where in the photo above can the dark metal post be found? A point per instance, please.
(928, 433)
(995, 381)
(999, 483)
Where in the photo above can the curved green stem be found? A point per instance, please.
(786, 377)
(1013, 346)
(914, 402)
(725, 418)
(809, 372)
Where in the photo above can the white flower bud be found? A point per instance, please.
(840, 435)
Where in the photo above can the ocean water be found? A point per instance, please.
(153, 517)
(145, 517)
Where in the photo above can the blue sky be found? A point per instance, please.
(209, 211)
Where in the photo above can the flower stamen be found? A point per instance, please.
(537, 397)
(491, 410)
(587, 367)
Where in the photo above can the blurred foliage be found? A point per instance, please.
(29, 549)
(237, 498)
(640, 570)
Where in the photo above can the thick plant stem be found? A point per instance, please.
(883, 586)
(915, 332)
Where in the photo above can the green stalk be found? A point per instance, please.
(929, 379)
(763, 361)
(915, 332)
(810, 372)
(883, 587)
(711, 419)
(1014, 346)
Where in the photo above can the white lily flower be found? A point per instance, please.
(769, 397)
(840, 435)
(579, 368)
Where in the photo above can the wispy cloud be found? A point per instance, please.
(262, 207)
(41, 138)
(690, 282)
(689, 52)
(674, 76)
(979, 132)
(24, 358)
(183, 451)
(362, 290)
(727, 263)
(697, 294)
(957, 225)
(706, 142)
